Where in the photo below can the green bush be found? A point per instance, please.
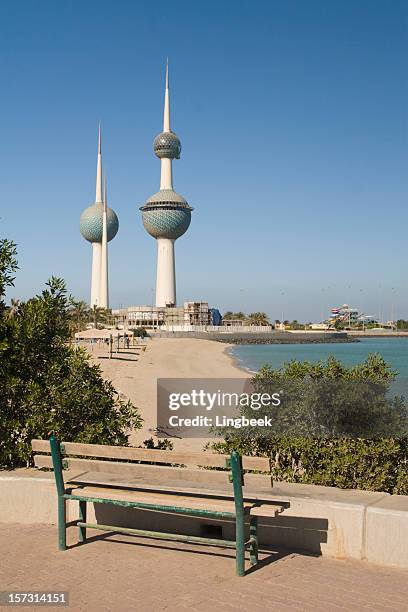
(373, 464)
(140, 332)
(346, 463)
(46, 386)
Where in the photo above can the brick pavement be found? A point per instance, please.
(120, 573)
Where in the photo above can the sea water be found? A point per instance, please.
(394, 350)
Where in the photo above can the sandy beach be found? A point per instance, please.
(134, 373)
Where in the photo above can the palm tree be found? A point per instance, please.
(79, 314)
(100, 315)
(258, 318)
(236, 316)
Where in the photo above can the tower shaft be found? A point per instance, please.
(166, 273)
(104, 288)
(98, 191)
(96, 273)
(166, 174)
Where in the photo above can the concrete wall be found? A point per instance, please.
(322, 520)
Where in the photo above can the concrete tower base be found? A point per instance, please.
(166, 273)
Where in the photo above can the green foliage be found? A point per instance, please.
(402, 324)
(237, 316)
(254, 318)
(164, 444)
(372, 465)
(140, 332)
(8, 265)
(47, 387)
(258, 318)
(375, 464)
(296, 325)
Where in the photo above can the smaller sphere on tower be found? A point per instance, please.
(167, 145)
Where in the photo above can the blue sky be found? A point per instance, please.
(293, 121)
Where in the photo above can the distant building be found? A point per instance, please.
(234, 322)
(196, 313)
(155, 317)
(319, 326)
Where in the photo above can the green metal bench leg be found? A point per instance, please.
(253, 539)
(62, 523)
(240, 546)
(82, 518)
(237, 480)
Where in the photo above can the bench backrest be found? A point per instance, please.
(150, 464)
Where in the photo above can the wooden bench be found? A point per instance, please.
(163, 481)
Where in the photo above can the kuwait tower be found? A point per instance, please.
(99, 225)
(166, 215)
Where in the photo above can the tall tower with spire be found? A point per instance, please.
(99, 225)
(166, 215)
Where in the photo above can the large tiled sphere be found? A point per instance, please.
(167, 145)
(166, 214)
(91, 220)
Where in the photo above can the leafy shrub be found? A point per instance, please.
(140, 332)
(46, 386)
(373, 464)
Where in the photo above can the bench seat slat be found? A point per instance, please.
(155, 498)
(260, 464)
(129, 471)
(194, 502)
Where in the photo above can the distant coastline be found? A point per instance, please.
(273, 337)
(287, 339)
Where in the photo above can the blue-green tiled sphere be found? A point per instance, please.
(166, 214)
(167, 145)
(90, 223)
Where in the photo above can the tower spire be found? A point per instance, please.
(98, 193)
(166, 117)
(105, 195)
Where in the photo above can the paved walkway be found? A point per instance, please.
(120, 573)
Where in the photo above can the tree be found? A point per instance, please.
(46, 386)
(79, 314)
(329, 399)
(99, 315)
(237, 316)
(315, 437)
(258, 318)
(296, 325)
(8, 265)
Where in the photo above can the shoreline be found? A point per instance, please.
(236, 362)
